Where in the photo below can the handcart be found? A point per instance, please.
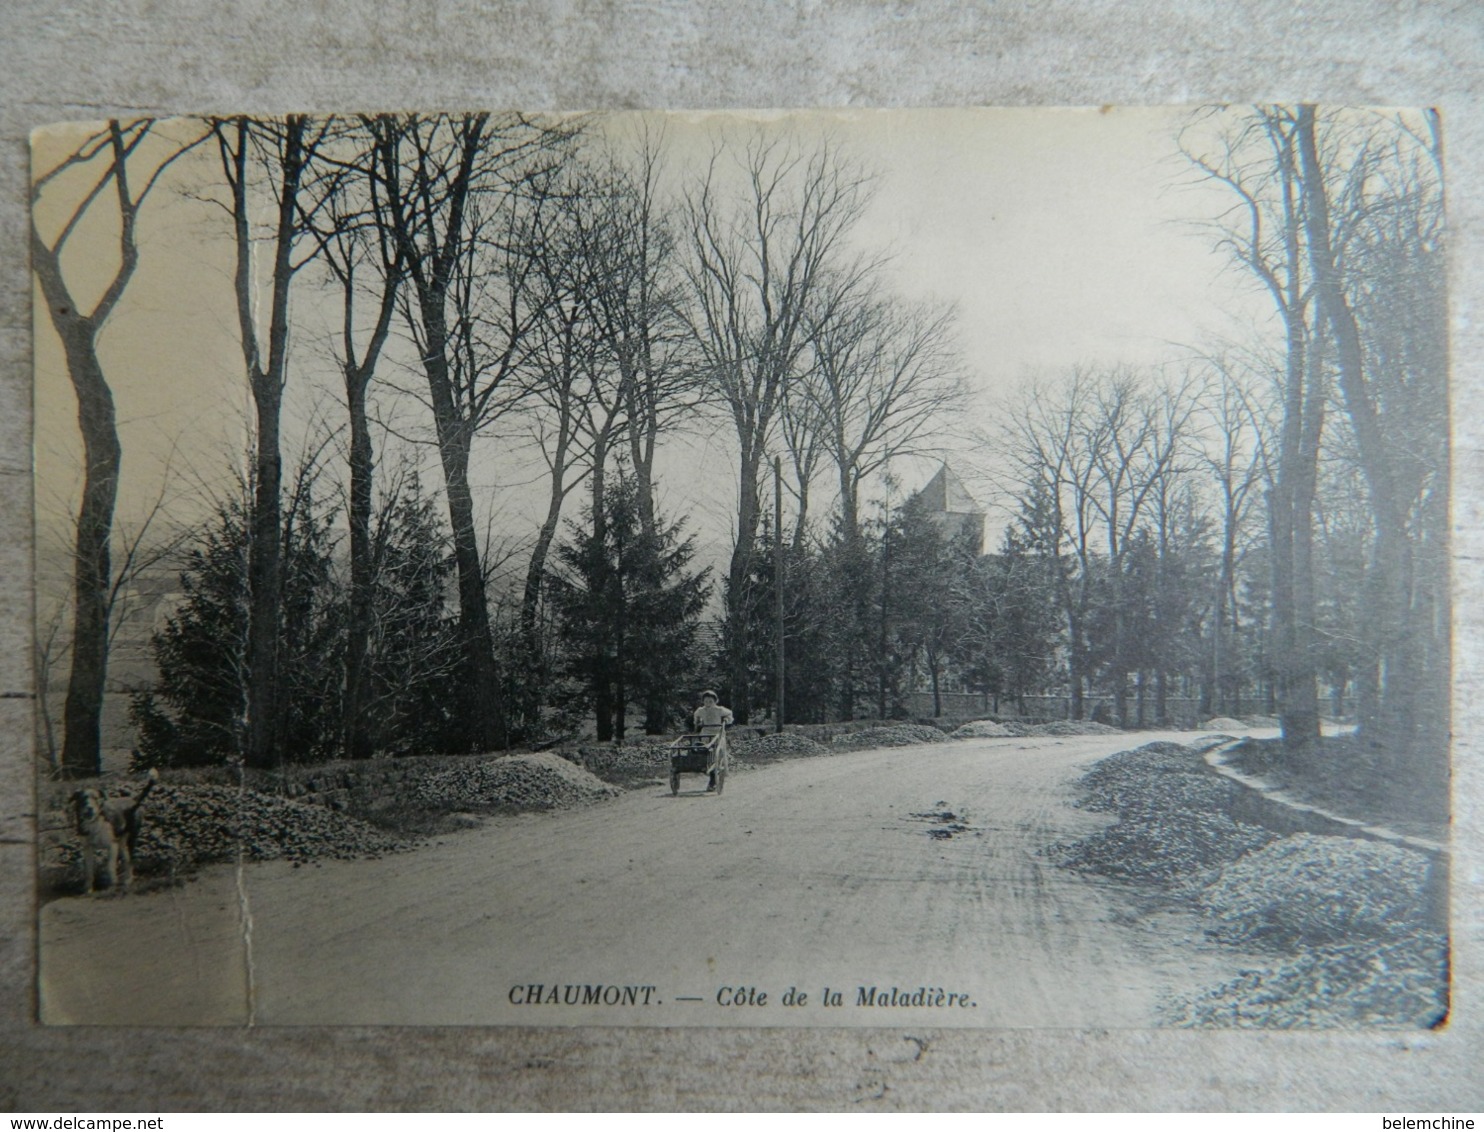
(700, 754)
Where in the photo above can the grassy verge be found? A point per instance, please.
(1355, 779)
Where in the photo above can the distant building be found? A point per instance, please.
(953, 509)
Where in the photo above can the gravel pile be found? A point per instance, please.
(1313, 889)
(187, 826)
(1154, 777)
(982, 729)
(628, 765)
(1178, 851)
(1172, 832)
(1397, 982)
(1352, 919)
(1224, 723)
(898, 735)
(787, 745)
(543, 781)
(1073, 727)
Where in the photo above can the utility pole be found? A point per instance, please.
(778, 587)
(885, 589)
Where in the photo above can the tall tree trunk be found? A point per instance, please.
(484, 709)
(603, 700)
(1392, 563)
(739, 584)
(484, 715)
(1291, 502)
(342, 251)
(643, 440)
(265, 582)
(1076, 671)
(266, 376)
(82, 754)
(530, 605)
(801, 520)
(849, 504)
(357, 731)
(1298, 687)
(534, 678)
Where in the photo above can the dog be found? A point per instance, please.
(109, 827)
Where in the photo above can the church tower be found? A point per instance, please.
(953, 508)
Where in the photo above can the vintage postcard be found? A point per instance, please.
(963, 568)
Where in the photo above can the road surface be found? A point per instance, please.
(836, 872)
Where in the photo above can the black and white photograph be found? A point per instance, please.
(949, 569)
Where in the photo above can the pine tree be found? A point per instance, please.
(414, 643)
(197, 713)
(627, 605)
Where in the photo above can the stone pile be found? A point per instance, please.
(1398, 981)
(1070, 727)
(768, 748)
(1173, 829)
(629, 765)
(1351, 923)
(896, 735)
(542, 781)
(982, 729)
(186, 826)
(1312, 889)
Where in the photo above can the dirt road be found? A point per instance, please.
(839, 872)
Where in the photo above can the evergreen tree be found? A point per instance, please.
(197, 709)
(925, 571)
(1009, 624)
(414, 643)
(197, 712)
(627, 606)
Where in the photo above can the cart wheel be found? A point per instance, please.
(674, 782)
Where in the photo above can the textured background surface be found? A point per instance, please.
(61, 60)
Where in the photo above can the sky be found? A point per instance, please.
(1062, 237)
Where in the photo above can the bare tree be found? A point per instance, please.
(764, 239)
(451, 185)
(803, 426)
(364, 261)
(1340, 218)
(1135, 439)
(638, 296)
(884, 374)
(1257, 159)
(1100, 456)
(575, 397)
(1235, 457)
(131, 175)
(1373, 222)
(1048, 440)
(277, 156)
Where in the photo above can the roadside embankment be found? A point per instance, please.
(1355, 926)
